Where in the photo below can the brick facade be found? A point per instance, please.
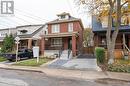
(73, 41)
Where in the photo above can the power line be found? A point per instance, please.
(9, 22)
(31, 15)
(32, 18)
(24, 20)
(14, 21)
(4, 26)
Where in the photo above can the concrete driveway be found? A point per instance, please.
(84, 64)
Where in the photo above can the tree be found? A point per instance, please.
(110, 8)
(88, 37)
(8, 44)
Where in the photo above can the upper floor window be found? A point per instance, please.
(56, 28)
(70, 27)
(125, 20)
(62, 16)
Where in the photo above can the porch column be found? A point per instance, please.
(74, 45)
(29, 43)
(42, 45)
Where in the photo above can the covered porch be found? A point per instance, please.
(54, 43)
(28, 43)
(122, 45)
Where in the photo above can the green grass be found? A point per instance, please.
(2, 59)
(32, 62)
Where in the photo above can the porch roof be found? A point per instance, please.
(67, 34)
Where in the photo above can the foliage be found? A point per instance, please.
(107, 8)
(119, 68)
(33, 62)
(8, 44)
(100, 55)
(120, 65)
(88, 37)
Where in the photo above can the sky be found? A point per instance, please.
(28, 12)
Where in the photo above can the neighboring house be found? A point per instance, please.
(4, 32)
(30, 35)
(65, 34)
(100, 27)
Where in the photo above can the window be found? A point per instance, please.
(62, 16)
(125, 20)
(3, 34)
(70, 27)
(56, 28)
(56, 42)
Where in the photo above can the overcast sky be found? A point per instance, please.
(41, 11)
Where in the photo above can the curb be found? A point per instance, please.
(22, 69)
(48, 63)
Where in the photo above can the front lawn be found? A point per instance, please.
(120, 65)
(2, 59)
(33, 62)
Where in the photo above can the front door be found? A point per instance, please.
(69, 43)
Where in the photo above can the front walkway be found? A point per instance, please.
(82, 64)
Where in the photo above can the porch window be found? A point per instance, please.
(70, 27)
(56, 28)
(56, 42)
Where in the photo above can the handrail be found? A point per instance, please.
(127, 47)
(60, 52)
(124, 43)
(69, 51)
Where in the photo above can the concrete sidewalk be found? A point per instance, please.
(86, 75)
(74, 64)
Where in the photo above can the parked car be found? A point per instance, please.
(22, 54)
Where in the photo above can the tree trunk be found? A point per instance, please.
(110, 53)
(111, 41)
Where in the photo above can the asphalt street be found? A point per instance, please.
(26, 78)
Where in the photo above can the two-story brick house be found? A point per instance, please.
(64, 34)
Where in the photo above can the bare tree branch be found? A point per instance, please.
(124, 3)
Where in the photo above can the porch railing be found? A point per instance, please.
(69, 51)
(125, 47)
(60, 52)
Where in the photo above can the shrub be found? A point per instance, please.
(100, 55)
(120, 65)
(8, 44)
(119, 68)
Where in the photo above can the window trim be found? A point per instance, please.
(55, 28)
(56, 42)
(70, 27)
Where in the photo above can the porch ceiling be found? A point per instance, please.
(61, 34)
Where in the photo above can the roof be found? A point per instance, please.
(64, 13)
(70, 19)
(7, 29)
(97, 26)
(37, 29)
(64, 20)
